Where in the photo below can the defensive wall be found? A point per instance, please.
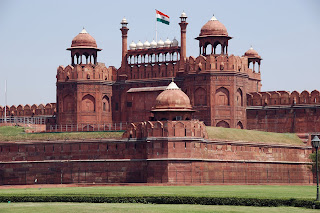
(181, 160)
(281, 111)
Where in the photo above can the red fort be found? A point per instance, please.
(167, 98)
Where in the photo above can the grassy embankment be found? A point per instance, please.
(220, 133)
(214, 133)
(8, 133)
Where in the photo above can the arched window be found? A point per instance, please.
(239, 99)
(239, 125)
(200, 98)
(105, 104)
(88, 103)
(68, 104)
(223, 124)
(222, 96)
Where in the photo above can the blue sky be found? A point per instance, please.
(35, 34)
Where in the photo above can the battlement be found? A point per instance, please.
(217, 62)
(27, 110)
(89, 72)
(190, 128)
(283, 98)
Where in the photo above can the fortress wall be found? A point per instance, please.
(295, 119)
(35, 110)
(156, 160)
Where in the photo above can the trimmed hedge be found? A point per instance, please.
(163, 200)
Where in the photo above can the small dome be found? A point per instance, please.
(84, 40)
(251, 53)
(213, 27)
(132, 46)
(160, 43)
(175, 42)
(139, 45)
(167, 43)
(183, 15)
(153, 44)
(124, 21)
(173, 98)
(146, 44)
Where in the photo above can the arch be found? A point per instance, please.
(222, 96)
(68, 103)
(200, 98)
(315, 96)
(239, 99)
(88, 103)
(105, 104)
(179, 129)
(223, 124)
(239, 125)
(305, 97)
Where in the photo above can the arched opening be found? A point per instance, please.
(222, 96)
(200, 98)
(68, 104)
(223, 124)
(105, 104)
(208, 49)
(88, 103)
(239, 125)
(239, 99)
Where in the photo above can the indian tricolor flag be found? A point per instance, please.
(161, 17)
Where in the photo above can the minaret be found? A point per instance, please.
(124, 31)
(183, 52)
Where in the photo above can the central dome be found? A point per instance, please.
(213, 28)
(172, 99)
(84, 40)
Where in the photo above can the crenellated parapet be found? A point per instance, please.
(219, 63)
(283, 98)
(78, 72)
(191, 128)
(28, 111)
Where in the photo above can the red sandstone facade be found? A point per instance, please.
(224, 90)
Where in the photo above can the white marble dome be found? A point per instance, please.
(139, 45)
(175, 42)
(146, 44)
(132, 46)
(167, 43)
(153, 44)
(160, 43)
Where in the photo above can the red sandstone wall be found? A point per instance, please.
(27, 110)
(181, 160)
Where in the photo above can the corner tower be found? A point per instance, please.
(84, 88)
(212, 34)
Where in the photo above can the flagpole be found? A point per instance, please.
(156, 28)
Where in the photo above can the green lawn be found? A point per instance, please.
(245, 191)
(220, 133)
(137, 208)
(9, 133)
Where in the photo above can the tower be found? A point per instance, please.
(212, 34)
(124, 31)
(183, 28)
(84, 88)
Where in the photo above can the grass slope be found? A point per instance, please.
(244, 191)
(138, 208)
(10, 133)
(219, 133)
